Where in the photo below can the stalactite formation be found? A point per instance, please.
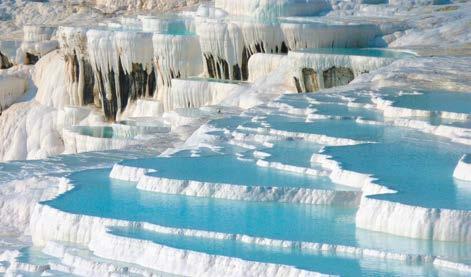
(111, 68)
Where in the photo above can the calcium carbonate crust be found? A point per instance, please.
(93, 233)
(233, 192)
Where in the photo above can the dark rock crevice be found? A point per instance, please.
(124, 87)
(31, 58)
(332, 77)
(4, 62)
(310, 80)
(337, 76)
(80, 70)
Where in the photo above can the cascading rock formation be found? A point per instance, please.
(235, 138)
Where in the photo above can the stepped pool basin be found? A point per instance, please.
(309, 223)
(251, 138)
(228, 171)
(96, 131)
(303, 259)
(271, 146)
(368, 52)
(440, 101)
(391, 154)
(395, 163)
(124, 130)
(122, 200)
(348, 129)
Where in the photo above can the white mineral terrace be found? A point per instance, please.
(37, 42)
(235, 138)
(99, 60)
(11, 89)
(462, 170)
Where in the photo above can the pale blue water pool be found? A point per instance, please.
(179, 29)
(368, 52)
(169, 24)
(34, 255)
(454, 123)
(396, 157)
(335, 128)
(294, 100)
(345, 111)
(230, 122)
(457, 102)
(399, 158)
(331, 106)
(95, 131)
(94, 194)
(414, 163)
(124, 130)
(308, 260)
(227, 169)
(292, 152)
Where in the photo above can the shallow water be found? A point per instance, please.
(292, 152)
(345, 128)
(309, 260)
(228, 169)
(368, 52)
(345, 111)
(397, 162)
(95, 131)
(96, 195)
(435, 101)
(395, 157)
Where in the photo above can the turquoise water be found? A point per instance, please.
(168, 24)
(435, 101)
(95, 194)
(397, 161)
(95, 131)
(179, 29)
(369, 52)
(34, 255)
(123, 130)
(331, 106)
(453, 123)
(292, 152)
(294, 100)
(319, 262)
(335, 128)
(228, 169)
(229, 123)
(414, 163)
(345, 111)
